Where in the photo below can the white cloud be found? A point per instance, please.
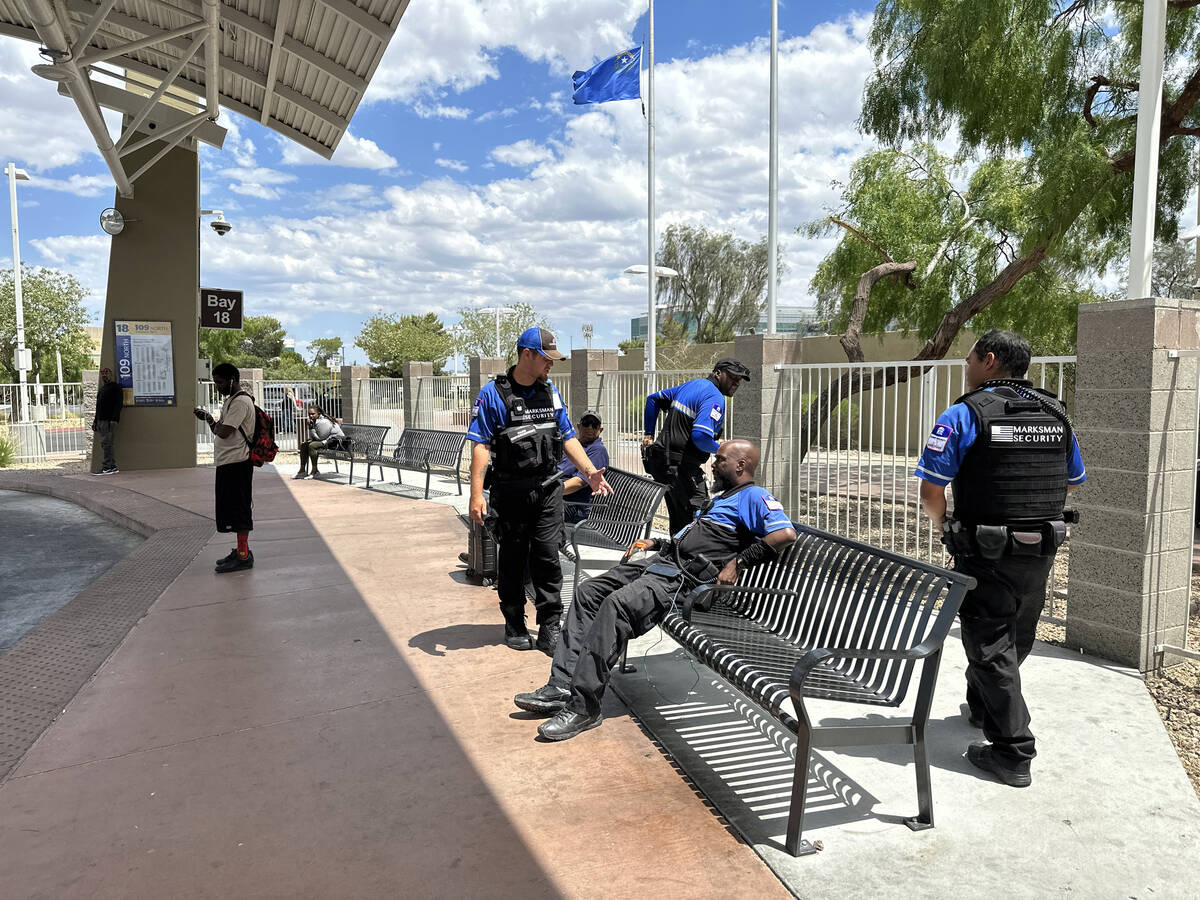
(507, 113)
(522, 153)
(352, 153)
(79, 185)
(440, 111)
(256, 181)
(456, 165)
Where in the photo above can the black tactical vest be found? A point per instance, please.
(1016, 471)
(675, 437)
(531, 445)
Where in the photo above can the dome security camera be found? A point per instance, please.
(221, 227)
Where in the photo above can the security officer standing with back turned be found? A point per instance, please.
(692, 430)
(1012, 457)
(521, 430)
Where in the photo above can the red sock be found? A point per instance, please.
(243, 544)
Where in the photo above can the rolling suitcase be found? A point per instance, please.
(481, 550)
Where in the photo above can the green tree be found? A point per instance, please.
(257, 346)
(323, 348)
(1046, 92)
(722, 282)
(291, 366)
(52, 303)
(390, 342)
(476, 330)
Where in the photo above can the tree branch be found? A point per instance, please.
(858, 311)
(1173, 114)
(862, 237)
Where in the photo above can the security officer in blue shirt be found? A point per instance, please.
(692, 430)
(521, 430)
(1012, 457)
(738, 529)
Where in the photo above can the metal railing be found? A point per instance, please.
(443, 402)
(290, 421)
(55, 426)
(621, 406)
(380, 401)
(856, 478)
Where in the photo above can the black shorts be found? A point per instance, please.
(235, 498)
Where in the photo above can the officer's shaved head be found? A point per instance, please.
(742, 450)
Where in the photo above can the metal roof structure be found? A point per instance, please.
(299, 67)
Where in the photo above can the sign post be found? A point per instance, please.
(220, 308)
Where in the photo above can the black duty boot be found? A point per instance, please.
(518, 638)
(547, 700)
(982, 755)
(567, 723)
(548, 634)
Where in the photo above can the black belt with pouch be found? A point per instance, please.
(996, 541)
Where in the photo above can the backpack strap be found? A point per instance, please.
(249, 443)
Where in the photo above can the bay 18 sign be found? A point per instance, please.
(220, 308)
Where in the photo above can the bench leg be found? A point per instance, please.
(458, 481)
(351, 470)
(624, 667)
(369, 474)
(924, 817)
(428, 474)
(796, 845)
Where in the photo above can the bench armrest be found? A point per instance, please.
(704, 591)
(586, 526)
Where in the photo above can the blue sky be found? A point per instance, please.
(468, 178)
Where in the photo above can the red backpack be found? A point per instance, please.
(262, 445)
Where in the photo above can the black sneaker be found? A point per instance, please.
(548, 636)
(464, 558)
(237, 564)
(226, 560)
(517, 640)
(547, 699)
(299, 475)
(981, 755)
(567, 723)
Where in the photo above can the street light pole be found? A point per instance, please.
(14, 175)
(498, 310)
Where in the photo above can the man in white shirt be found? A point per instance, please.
(235, 472)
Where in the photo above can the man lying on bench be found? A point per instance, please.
(739, 528)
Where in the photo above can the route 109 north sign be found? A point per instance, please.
(220, 308)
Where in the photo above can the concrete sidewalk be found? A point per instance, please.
(337, 722)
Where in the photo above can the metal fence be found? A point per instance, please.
(443, 402)
(54, 425)
(856, 477)
(380, 401)
(278, 400)
(621, 404)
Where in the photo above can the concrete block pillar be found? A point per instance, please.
(353, 388)
(252, 380)
(91, 387)
(412, 373)
(482, 370)
(586, 366)
(1131, 553)
(752, 410)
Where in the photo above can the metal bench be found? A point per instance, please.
(837, 620)
(614, 520)
(362, 441)
(423, 450)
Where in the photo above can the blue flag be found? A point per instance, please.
(617, 78)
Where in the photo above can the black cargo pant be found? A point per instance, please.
(999, 621)
(686, 496)
(625, 602)
(529, 532)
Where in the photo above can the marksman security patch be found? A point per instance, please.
(1031, 433)
(938, 438)
(716, 413)
(771, 502)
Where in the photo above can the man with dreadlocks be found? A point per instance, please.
(1011, 454)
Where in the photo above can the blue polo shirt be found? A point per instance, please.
(954, 434)
(699, 400)
(597, 453)
(491, 415)
(753, 507)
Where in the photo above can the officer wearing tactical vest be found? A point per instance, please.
(522, 430)
(1012, 457)
(692, 430)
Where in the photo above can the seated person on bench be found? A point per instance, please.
(741, 527)
(577, 494)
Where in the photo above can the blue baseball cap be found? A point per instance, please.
(541, 340)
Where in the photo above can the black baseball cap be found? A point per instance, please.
(590, 416)
(541, 340)
(731, 365)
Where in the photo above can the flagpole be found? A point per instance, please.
(651, 275)
(773, 176)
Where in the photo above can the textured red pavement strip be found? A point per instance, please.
(264, 736)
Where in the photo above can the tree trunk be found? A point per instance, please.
(858, 311)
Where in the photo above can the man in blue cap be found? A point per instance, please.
(521, 430)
